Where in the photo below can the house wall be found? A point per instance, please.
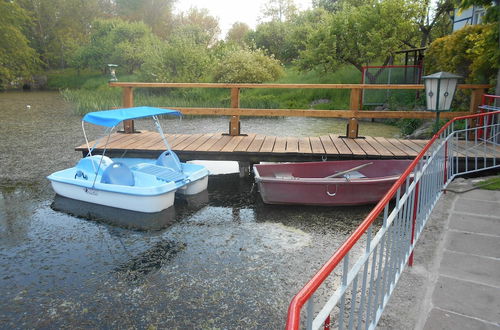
(471, 15)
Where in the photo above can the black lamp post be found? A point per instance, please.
(439, 91)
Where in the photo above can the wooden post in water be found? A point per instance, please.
(234, 124)
(128, 102)
(354, 105)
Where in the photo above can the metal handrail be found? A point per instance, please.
(416, 192)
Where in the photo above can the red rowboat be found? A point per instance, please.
(345, 182)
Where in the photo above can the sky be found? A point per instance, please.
(231, 11)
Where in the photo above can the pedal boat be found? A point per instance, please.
(136, 184)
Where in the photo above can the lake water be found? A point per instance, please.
(225, 260)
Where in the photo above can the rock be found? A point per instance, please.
(319, 101)
(423, 132)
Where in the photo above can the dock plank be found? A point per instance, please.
(221, 143)
(232, 144)
(123, 142)
(179, 139)
(354, 147)
(155, 139)
(412, 145)
(340, 145)
(402, 146)
(268, 144)
(113, 138)
(196, 144)
(367, 148)
(245, 143)
(389, 146)
(305, 145)
(292, 144)
(210, 142)
(188, 141)
(317, 146)
(139, 141)
(280, 144)
(328, 145)
(381, 149)
(256, 143)
(421, 143)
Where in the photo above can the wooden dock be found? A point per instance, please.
(255, 148)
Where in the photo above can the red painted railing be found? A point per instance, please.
(300, 299)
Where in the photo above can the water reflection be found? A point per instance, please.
(126, 218)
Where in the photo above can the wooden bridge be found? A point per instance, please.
(254, 148)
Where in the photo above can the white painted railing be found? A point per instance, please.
(352, 289)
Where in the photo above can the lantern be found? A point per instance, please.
(439, 91)
(112, 72)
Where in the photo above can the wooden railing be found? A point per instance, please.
(352, 114)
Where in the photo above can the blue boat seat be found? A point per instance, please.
(118, 173)
(169, 159)
(90, 164)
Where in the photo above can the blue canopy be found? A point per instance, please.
(111, 118)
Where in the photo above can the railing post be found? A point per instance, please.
(128, 102)
(414, 219)
(354, 105)
(475, 101)
(234, 124)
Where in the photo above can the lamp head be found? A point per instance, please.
(439, 90)
(112, 72)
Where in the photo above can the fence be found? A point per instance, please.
(388, 74)
(352, 114)
(362, 289)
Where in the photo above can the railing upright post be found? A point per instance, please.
(234, 124)
(354, 105)
(475, 101)
(128, 102)
(414, 220)
(310, 312)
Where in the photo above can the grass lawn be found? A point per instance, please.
(490, 184)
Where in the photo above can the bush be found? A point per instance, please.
(247, 66)
(408, 125)
(179, 60)
(471, 52)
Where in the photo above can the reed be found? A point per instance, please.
(94, 94)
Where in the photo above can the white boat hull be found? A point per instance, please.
(194, 187)
(147, 204)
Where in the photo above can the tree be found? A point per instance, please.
(179, 60)
(279, 10)
(277, 38)
(17, 58)
(155, 13)
(359, 35)
(60, 27)
(328, 5)
(118, 42)
(197, 25)
(429, 20)
(238, 33)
